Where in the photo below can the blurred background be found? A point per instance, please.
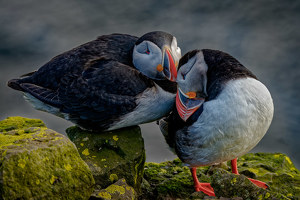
(262, 35)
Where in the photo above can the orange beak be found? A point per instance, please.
(169, 66)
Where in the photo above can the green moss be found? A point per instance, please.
(104, 195)
(274, 169)
(113, 177)
(20, 123)
(173, 180)
(39, 163)
(119, 152)
(229, 185)
(18, 139)
(16, 130)
(118, 190)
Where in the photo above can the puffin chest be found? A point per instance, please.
(229, 126)
(152, 104)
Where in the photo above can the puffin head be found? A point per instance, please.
(191, 83)
(156, 55)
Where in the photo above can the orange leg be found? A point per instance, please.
(256, 182)
(234, 168)
(203, 187)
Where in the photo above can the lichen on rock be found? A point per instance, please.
(38, 163)
(276, 169)
(172, 180)
(229, 185)
(119, 190)
(112, 155)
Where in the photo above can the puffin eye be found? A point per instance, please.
(183, 75)
(143, 48)
(147, 50)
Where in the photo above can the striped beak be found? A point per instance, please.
(186, 105)
(169, 66)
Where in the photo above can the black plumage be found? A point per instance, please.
(222, 67)
(94, 83)
(102, 93)
(164, 39)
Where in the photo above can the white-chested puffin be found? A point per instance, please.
(222, 112)
(115, 81)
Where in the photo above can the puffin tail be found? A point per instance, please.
(15, 84)
(163, 126)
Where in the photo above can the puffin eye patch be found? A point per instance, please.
(186, 68)
(144, 48)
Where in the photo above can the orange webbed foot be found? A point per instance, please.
(256, 182)
(203, 187)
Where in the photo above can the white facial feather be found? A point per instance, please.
(176, 50)
(191, 76)
(146, 56)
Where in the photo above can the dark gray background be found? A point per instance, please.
(262, 35)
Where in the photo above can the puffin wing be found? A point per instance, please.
(46, 95)
(103, 92)
(115, 46)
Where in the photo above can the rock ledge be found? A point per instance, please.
(38, 163)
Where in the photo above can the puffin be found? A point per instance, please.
(115, 81)
(222, 112)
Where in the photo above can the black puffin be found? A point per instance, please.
(222, 112)
(115, 81)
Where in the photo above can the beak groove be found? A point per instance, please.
(169, 66)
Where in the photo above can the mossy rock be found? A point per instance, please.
(19, 123)
(39, 163)
(170, 180)
(276, 169)
(173, 180)
(119, 190)
(112, 155)
(229, 185)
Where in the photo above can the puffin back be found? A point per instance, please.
(114, 47)
(222, 68)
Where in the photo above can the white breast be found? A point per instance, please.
(230, 125)
(152, 105)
